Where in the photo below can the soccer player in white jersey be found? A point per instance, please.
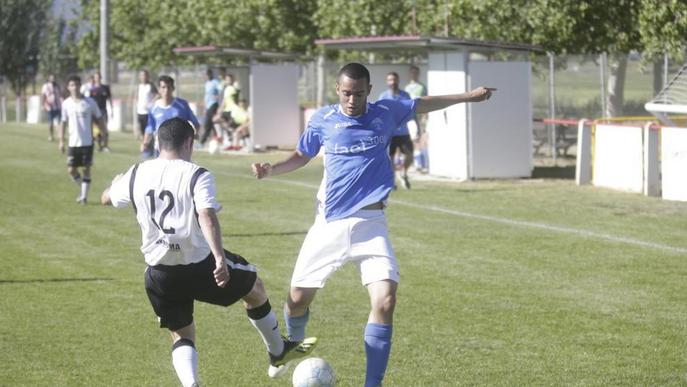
(350, 225)
(78, 113)
(174, 202)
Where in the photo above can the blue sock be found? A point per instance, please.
(295, 326)
(377, 349)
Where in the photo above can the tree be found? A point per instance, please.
(57, 49)
(663, 31)
(21, 23)
(143, 34)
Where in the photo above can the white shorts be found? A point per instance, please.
(362, 238)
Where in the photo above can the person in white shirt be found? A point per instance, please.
(78, 113)
(145, 95)
(51, 96)
(175, 205)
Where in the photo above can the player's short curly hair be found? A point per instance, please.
(354, 71)
(173, 133)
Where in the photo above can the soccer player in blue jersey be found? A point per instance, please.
(166, 107)
(400, 141)
(350, 225)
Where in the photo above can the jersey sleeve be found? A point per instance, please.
(402, 110)
(119, 191)
(204, 192)
(64, 113)
(189, 113)
(311, 140)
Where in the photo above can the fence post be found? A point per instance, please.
(651, 164)
(3, 109)
(17, 110)
(583, 172)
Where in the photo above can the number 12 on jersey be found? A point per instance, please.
(166, 197)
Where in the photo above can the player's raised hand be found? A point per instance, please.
(261, 170)
(481, 93)
(221, 273)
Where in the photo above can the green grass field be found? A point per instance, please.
(504, 283)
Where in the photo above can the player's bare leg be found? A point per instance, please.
(184, 355)
(379, 330)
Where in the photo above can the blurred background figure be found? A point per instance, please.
(51, 96)
(400, 141)
(213, 88)
(103, 98)
(418, 134)
(145, 95)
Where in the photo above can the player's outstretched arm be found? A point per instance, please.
(431, 103)
(295, 161)
(209, 224)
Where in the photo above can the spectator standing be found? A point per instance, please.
(100, 92)
(400, 141)
(51, 96)
(145, 95)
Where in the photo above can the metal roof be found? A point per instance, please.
(230, 51)
(422, 43)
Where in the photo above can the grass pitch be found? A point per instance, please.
(528, 282)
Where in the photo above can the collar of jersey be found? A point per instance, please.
(367, 107)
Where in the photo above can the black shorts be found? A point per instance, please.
(173, 289)
(80, 156)
(142, 122)
(404, 143)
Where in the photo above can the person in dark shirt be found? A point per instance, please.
(100, 92)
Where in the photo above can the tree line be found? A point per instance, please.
(143, 33)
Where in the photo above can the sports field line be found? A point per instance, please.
(506, 221)
(489, 218)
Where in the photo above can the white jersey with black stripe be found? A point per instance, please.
(166, 196)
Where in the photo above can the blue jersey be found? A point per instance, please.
(159, 114)
(402, 129)
(212, 90)
(357, 169)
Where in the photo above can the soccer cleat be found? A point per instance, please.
(292, 350)
(105, 149)
(81, 200)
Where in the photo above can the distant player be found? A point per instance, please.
(78, 113)
(417, 89)
(51, 98)
(165, 108)
(350, 225)
(145, 95)
(213, 89)
(102, 95)
(400, 141)
(175, 205)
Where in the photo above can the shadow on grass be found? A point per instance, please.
(262, 234)
(567, 172)
(44, 280)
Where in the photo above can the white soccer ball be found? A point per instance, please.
(314, 372)
(213, 147)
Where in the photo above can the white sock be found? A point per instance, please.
(264, 320)
(185, 361)
(85, 183)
